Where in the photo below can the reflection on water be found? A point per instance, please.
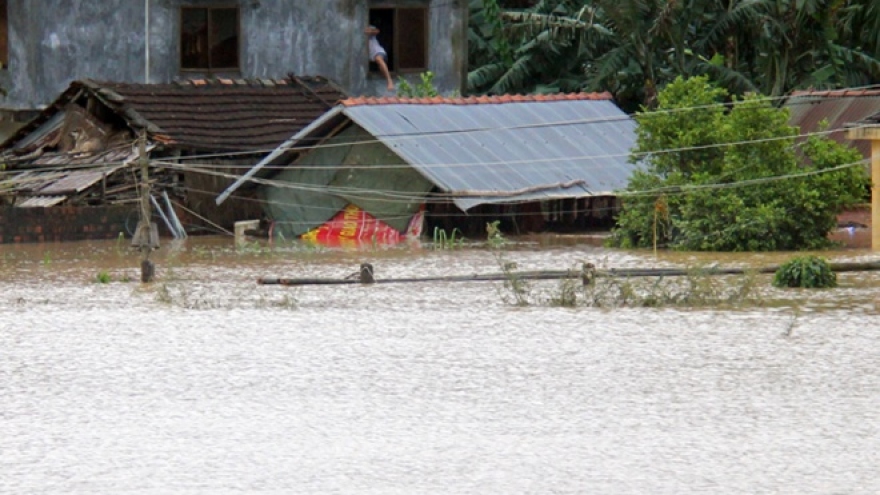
(205, 382)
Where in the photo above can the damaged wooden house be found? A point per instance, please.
(371, 168)
(70, 173)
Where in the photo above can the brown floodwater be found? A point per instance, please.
(206, 382)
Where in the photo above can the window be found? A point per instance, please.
(4, 36)
(209, 38)
(403, 32)
(517, 4)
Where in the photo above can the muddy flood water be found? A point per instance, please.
(206, 382)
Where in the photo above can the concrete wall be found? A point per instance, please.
(53, 42)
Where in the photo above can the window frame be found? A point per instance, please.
(4, 34)
(208, 10)
(396, 37)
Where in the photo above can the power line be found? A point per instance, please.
(400, 197)
(684, 189)
(400, 137)
(524, 161)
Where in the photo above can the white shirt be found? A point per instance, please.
(376, 48)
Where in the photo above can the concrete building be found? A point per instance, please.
(47, 44)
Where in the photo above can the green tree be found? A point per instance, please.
(542, 49)
(634, 47)
(715, 179)
(776, 46)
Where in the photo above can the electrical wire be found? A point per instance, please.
(399, 197)
(506, 163)
(401, 137)
(395, 196)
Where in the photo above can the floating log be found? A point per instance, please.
(450, 278)
(586, 274)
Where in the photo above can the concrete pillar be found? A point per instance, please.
(871, 132)
(875, 194)
(243, 226)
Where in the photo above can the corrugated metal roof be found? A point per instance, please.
(492, 149)
(839, 108)
(472, 100)
(58, 182)
(41, 201)
(75, 181)
(508, 151)
(284, 151)
(43, 132)
(30, 181)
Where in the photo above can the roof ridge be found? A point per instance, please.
(198, 82)
(835, 93)
(473, 100)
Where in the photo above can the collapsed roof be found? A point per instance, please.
(86, 135)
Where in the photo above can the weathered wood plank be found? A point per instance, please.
(557, 275)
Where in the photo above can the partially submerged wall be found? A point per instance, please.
(66, 223)
(321, 183)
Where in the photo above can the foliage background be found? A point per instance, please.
(633, 47)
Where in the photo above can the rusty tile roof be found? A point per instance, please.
(209, 114)
(836, 93)
(226, 114)
(839, 108)
(474, 100)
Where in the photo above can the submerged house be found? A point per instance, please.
(533, 162)
(201, 77)
(833, 110)
(841, 113)
(71, 172)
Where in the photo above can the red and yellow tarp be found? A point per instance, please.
(355, 227)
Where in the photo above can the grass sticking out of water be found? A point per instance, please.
(453, 240)
(698, 289)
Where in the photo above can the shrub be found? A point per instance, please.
(811, 272)
(714, 179)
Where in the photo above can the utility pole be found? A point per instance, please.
(146, 236)
(871, 133)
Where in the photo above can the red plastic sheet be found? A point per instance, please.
(354, 227)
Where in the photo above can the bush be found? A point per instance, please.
(810, 272)
(732, 178)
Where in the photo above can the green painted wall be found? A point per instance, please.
(352, 167)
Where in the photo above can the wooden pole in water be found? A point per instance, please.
(148, 269)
